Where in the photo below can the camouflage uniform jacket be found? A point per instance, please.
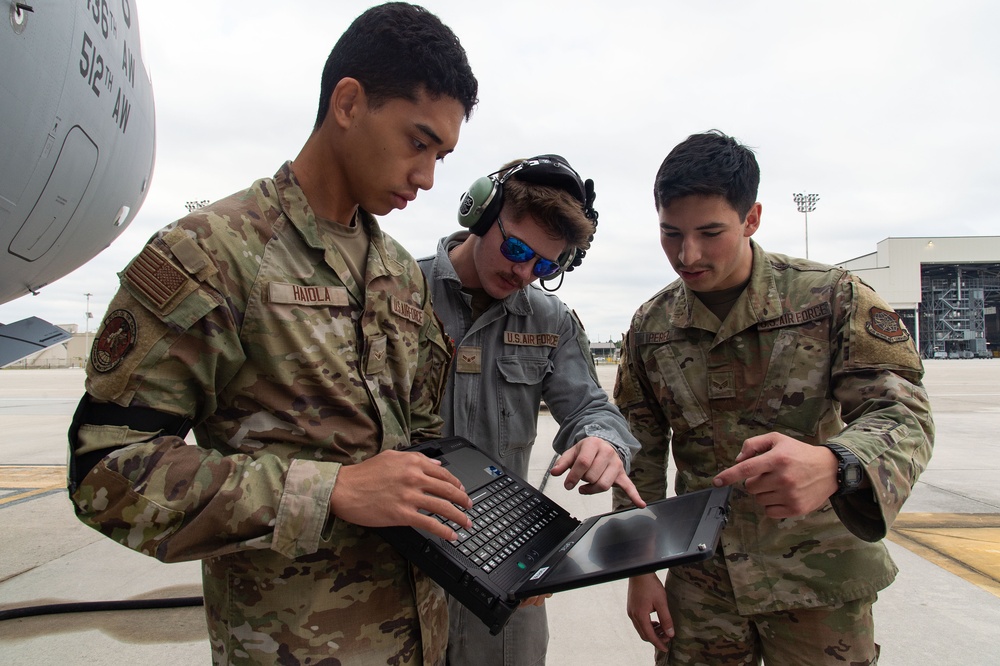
(809, 351)
(243, 318)
(521, 350)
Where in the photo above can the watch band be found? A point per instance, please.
(850, 472)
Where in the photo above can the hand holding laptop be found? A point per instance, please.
(393, 487)
(522, 545)
(597, 463)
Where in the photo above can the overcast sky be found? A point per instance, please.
(887, 110)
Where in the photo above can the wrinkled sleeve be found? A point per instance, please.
(576, 400)
(877, 379)
(636, 400)
(177, 501)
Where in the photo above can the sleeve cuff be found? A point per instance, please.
(304, 507)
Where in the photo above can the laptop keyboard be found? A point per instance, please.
(504, 516)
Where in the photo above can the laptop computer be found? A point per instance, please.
(523, 544)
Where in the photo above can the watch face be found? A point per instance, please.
(852, 475)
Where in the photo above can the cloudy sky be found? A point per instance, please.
(887, 110)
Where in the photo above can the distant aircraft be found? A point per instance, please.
(77, 145)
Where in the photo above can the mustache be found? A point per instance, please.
(513, 279)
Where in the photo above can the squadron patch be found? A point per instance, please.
(885, 324)
(115, 340)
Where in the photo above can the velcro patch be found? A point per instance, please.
(885, 325)
(115, 340)
(813, 313)
(376, 357)
(155, 277)
(192, 258)
(469, 359)
(531, 339)
(295, 294)
(652, 338)
(721, 384)
(407, 311)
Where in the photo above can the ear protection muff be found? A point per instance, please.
(480, 205)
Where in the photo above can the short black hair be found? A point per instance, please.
(394, 50)
(710, 163)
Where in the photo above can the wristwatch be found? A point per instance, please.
(850, 473)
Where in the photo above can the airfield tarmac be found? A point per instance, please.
(943, 609)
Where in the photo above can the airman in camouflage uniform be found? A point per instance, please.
(803, 356)
(299, 341)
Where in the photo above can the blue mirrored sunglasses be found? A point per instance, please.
(516, 250)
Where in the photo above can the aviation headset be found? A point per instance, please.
(480, 205)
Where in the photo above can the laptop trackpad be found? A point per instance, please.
(472, 468)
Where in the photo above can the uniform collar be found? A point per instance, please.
(758, 302)
(383, 261)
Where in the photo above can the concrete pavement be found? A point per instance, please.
(943, 609)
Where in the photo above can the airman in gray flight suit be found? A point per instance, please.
(517, 345)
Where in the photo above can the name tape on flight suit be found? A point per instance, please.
(531, 339)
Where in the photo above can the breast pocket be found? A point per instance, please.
(519, 392)
(683, 396)
(795, 391)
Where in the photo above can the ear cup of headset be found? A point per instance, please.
(480, 204)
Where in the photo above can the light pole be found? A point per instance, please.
(806, 203)
(86, 338)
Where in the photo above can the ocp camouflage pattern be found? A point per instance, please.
(247, 320)
(794, 346)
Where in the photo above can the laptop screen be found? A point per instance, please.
(627, 540)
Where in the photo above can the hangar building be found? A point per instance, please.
(946, 290)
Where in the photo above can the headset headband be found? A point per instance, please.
(481, 203)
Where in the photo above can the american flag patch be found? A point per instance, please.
(155, 276)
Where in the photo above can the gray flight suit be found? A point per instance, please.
(521, 350)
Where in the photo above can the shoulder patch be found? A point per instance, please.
(115, 340)
(156, 277)
(885, 324)
(875, 333)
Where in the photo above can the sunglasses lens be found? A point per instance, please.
(515, 250)
(544, 267)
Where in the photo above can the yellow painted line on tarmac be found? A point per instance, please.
(29, 481)
(966, 544)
